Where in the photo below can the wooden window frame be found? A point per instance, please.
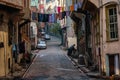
(109, 29)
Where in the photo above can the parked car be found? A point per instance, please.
(42, 44)
(47, 37)
(42, 32)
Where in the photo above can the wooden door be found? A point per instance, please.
(111, 65)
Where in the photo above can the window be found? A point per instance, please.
(112, 27)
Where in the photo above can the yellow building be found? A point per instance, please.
(9, 17)
(24, 25)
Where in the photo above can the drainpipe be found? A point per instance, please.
(101, 35)
(99, 49)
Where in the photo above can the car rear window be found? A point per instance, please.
(42, 42)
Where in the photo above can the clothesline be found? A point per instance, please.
(60, 13)
(52, 18)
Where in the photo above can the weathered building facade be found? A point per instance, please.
(104, 34)
(12, 19)
(92, 33)
(109, 32)
(24, 25)
(71, 37)
(9, 17)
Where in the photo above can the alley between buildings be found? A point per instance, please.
(53, 64)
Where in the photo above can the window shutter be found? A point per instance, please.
(107, 25)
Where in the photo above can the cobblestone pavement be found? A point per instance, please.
(53, 64)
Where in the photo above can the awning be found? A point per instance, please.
(9, 7)
(25, 22)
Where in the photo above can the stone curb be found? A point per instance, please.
(86, 71)
(29, 65)
(20, 76)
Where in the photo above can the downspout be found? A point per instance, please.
(101, 35)
(102, 43)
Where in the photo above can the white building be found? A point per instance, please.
(33, 33)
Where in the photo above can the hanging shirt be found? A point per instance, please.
(62, 9)
(67, 13)
(79, 4)
(59, 8)
(75, 7)
(40, 17)
(53, 18)
(46, 18)
(71, 7)
(60, 15)
(34, 16)
(50, 18)
(63, 14)
(14, 47)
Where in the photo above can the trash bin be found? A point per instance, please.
(81, 60)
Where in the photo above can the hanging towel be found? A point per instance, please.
(50, 18)
(71, 7)
(40, 17)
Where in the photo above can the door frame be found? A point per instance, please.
(116, 64)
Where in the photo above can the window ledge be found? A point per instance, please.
(112, 40)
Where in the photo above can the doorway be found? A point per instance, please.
(111, 65)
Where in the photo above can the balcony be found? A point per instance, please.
(95, 3)
(18, 4)
(26, 12)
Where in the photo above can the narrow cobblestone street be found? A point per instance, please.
(53, 64)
